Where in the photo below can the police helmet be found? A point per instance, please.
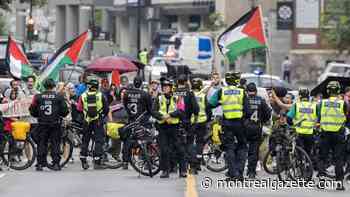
(333, 87)
(232, 78)
(49, 83)
(197, 84)
(166, 82)
(251, 87)
(137, 82)
(304, 93)
(93, 83)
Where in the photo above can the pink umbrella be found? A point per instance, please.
(111, 63)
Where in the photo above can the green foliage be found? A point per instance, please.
(215, 23)
(5, 4)
(39, 3)
(3, 29)
(335, 25)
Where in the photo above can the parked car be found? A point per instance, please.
(335, 70)
(266, 81)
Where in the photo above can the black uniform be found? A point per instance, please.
(136, 102)
(191, 108)
(258, 112)
(49, 107)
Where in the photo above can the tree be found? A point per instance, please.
(3, 29)
(335, 25)
(5, 4)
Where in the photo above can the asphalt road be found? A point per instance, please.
(74, 182)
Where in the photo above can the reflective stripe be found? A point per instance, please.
(232, 102)
(332, 114)
(202, 116)
(305, 110)
(86, 105)
(163, 109)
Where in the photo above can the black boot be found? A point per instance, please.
(98, 165)
(125, 165)
(182, 174)
(165, 174)
(39, 167)
(84, 164)
(56, 167)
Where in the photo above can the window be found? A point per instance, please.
(194, 23)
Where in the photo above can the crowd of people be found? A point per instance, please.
(182, 110)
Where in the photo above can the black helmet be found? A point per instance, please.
(251, 87)
(49, 83)
(138, 82)
(197, 84)
(166, 82)
(93, 82)
(333, 87)
(304, 93)
(232, 78)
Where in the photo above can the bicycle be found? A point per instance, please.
(16, 154)
(291, 161)
(213, 156)
(144, 148)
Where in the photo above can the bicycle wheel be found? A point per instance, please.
(66, 152)
(299, 166)
(214, 158)
(269, 164)
(146, 161)
(19, 155)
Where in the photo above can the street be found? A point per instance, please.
(72, 181)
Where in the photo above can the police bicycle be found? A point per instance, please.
(213, 157)
(291, 161)
(145, 154)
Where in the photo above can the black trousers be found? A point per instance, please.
(126, 150)
(195, 143)
(49, 133)
(235, 145)
(93, 130)
(286, 76)
(253, 154)
(306, 142)
(169, 135)
(334, 142)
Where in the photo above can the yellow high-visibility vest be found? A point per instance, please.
(163, 109)
(306, 110)
(332, 114)
(202, 116)
(232, 102)
(96, 104)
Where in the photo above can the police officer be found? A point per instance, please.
(136, 101)
(304, 110)
(199, 126)
(257, 114)
(169, 115)
(186, 99)
(49, 108)
(95, 107)
(233, 101)
(332, 118)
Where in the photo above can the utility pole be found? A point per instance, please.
(138, 18)
(30, 25)
(253, 5)
(93, 29)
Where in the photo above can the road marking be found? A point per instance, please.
(191, 189)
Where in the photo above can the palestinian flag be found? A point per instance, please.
(17, 61)
(245, 34)
(67, 54)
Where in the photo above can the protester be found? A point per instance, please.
(286, 69)
(14, 86)
(30, 86)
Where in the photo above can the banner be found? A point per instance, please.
(285, 15)
(18, 108)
